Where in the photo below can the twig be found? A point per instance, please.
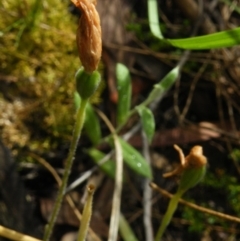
(115, 214)
(191, 92)
(132, 131)
(235, 131)
(88, 173)
(147, 194)
(194, 206)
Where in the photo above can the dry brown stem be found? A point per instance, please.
(196, 207)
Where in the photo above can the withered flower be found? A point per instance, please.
(192, 170)
(89, 39)
(195, 159)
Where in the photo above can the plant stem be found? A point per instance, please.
(168, 215)
(14, 235)
(76, 135)
(87, 213)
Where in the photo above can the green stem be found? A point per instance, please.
(76, 135)
(172, 206)
(86, 216)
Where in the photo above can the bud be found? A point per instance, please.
(87, 83)
(191, 177)
(89, 39)
(192, 168)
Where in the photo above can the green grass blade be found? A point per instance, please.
(222, 39)
(153, 19)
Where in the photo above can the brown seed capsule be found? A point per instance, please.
(89, 39)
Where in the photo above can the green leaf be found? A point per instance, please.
(108, 167)
(153, 19)
(148, 121)
(135, 160)
(125, 230)
(222, 39)
(164, 85)
(124, 92)
(92, 125)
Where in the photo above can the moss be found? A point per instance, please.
(38, 55)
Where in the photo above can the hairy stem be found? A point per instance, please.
(76, 135)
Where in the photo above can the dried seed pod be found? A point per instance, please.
(89, 39)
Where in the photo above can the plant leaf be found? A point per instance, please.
(108, 167)
(221, 39)
(135, 160)
(92, 125)
(77, 100)
(153, 19)
(164, 85)
(125, 230)
(124, 92)
(148, 121)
